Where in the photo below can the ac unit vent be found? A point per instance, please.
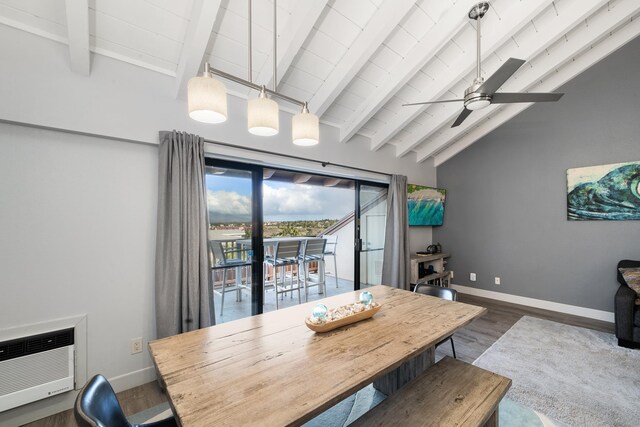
(36, 367)
(35, 344)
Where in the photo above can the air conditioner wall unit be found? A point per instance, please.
(36, 367)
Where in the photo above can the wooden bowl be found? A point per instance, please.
(330, 326)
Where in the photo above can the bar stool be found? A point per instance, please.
(330, 250)
(313, 251)
(222, 262)
(285, 254)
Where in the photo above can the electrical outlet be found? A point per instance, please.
(472, 277)
(497, 280)
(136, 345)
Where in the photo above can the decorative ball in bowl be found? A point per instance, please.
(325, 320)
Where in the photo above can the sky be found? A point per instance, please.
(229, 200)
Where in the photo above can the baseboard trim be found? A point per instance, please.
(133, 379)
(538, 303)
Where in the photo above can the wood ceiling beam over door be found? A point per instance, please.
(77, 12)
(203, 17)
(296, 30)
(434, 40)
(529, 76)
(571, 14)
(495, 34)
(617, 36)
(378, 29)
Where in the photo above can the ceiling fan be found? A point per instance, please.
(482, 93)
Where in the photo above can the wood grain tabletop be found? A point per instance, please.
(272, 370)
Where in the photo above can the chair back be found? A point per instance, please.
(287, 250)
(219, 257)
(314, 248)
(97, 405)
(332, 243)
(436, 291)
(626, 263)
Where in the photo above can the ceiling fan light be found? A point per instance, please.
(207, 99)
(263, 116)
(477, 104)
(305, 128)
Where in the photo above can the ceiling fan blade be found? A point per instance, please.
(509, 98)
(498, 78)
(433, 102)
(465, 113)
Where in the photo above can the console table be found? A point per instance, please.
(438, 262)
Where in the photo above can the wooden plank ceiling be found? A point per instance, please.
(355, 61)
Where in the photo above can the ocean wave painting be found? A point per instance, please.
(426, 205)
(606, 192)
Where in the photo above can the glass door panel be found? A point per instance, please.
(229, 200)
(372, 216)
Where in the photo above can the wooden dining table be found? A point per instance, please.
(271, 370)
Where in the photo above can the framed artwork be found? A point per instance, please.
(426, 205)
(605, 192)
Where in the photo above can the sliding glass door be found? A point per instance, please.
(254, 209)
(371, 217)
(235, 226)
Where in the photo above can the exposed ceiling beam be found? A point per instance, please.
(203, 17)
(574, 67)
(435, 39)
(495, 34)
(574, 12)
(267, 173)
(301, 178)
(331, 182)
(298, 27)
(379, 27)
(78, 31)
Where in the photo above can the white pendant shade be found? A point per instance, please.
(207, 98)
(263, 116)
(305, 129)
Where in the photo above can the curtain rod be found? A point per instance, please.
(290, 156)
(209, 141)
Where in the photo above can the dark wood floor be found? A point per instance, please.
(470, 343)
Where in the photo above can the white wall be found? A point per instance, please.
(78, 212)
(78, 231)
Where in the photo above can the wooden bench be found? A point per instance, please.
(450, 393)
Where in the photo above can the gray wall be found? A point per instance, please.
(506, 203)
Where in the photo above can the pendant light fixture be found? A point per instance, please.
(263, 115)
(305, 128)
(208, 99)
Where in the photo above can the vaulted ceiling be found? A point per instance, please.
(355, 61)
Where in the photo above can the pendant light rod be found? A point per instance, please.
(275, 45)
(250, 40)
(478, 47)
(252, 85)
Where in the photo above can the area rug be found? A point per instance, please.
(574, 375)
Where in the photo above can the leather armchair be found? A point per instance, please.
(98, 406)
(627, 313)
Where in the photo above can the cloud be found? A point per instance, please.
(228, 206)
(282, 202)
(307, 201)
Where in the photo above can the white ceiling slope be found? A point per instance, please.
(355, 61)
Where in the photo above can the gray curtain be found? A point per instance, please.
(183, 271)
(396, 267)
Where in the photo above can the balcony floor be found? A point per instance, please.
(238, 309)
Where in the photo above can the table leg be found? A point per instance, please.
(493, 420)
(391, 382)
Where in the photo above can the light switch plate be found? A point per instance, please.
(472, 277)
